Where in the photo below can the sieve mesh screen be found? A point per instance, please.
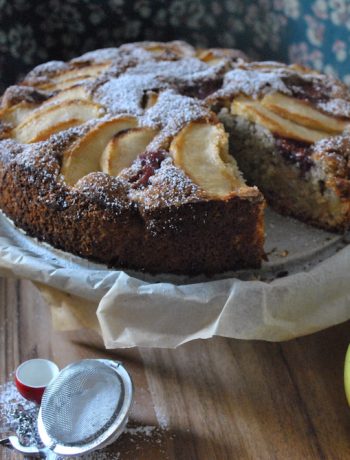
(82, 403)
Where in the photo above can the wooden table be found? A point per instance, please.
(214, 399)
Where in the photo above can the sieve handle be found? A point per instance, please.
(29, 451)
(13, 442)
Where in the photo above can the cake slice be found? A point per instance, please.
(289, 133)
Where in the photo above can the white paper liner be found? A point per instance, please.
(134, 309)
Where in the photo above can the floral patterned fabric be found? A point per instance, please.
(315, 33)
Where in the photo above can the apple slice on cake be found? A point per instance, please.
(201, 151)
(209, 57)
(303, 113)
(65, 84)
(17, 113)
(81, 72)
(45, 121)
(72, 77)
(151, 99)
(255, 112)
(124, 147)
(84, 156)
(76, 92)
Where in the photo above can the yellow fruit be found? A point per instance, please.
(347, 375)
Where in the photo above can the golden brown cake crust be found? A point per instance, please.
(99, 221)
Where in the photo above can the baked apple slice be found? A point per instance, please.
(255, 112)
(151, 99)
(201, 151)
(157, 49)
(303, 113)
(173, 50)
(44, 122)
(85, 154)
(64, 84)
(17, 113)
(80, 72)
(76, 92)
(214, 56)
(124, 147)
(72, 77)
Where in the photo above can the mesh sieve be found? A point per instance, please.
(85, 407)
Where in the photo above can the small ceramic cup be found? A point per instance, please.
(33, 376)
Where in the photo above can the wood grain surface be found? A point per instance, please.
(213, 399)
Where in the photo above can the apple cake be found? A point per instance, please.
(138, 156)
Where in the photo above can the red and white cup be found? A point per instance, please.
(33, 376)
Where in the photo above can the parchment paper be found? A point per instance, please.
(303, 288)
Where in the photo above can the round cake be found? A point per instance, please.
(128, 156)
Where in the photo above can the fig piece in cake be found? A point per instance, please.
(44, 122)
(124, 148)
(303, 113)
(201, 151)
(255, 112)
(84, 156)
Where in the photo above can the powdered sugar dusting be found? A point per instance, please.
(9, 401)
(134, 438)
(333, 143)
(16, 93)
(146, 430)
(257, 79)
(169, 186)
(98, 56)
(184, 71)
(252, 83)
(337, 107)
(40, 155)
(173, 49)
(17, 414)
(171, 112)
(20, 416)
(47, 68)
(334, 153)
(124, 94)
